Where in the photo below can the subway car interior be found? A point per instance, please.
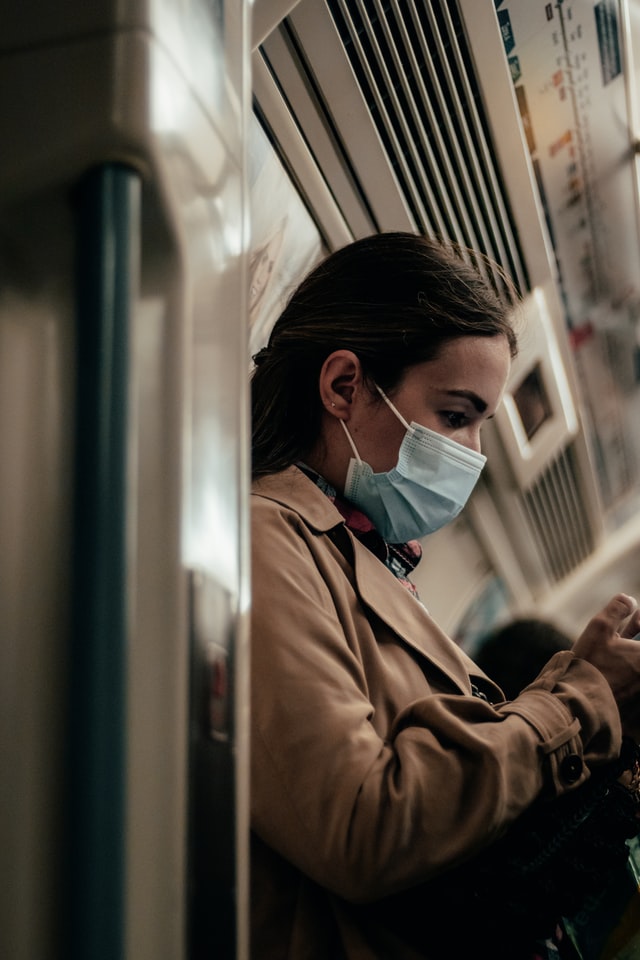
(168, 172)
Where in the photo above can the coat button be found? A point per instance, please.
(571, 768)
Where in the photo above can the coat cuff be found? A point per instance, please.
(572, 709)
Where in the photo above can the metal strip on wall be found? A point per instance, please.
(107, 236)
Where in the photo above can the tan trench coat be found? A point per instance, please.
(373, 767)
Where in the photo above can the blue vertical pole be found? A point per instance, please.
(107, 236)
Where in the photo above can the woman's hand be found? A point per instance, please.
(607, 643)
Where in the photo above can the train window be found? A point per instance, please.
(285, 242)
(532, 402)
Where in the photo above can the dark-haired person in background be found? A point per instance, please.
(513, 655)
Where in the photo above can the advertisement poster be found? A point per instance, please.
(567, 63)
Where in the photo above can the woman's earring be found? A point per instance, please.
(332, 404)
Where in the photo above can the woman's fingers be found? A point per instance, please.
(608, 622)
(632, 628)
(619, 608)
(594, 643)
(605, 642)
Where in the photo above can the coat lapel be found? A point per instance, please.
(377, 586)
(389, 600)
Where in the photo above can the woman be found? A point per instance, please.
(381, 756)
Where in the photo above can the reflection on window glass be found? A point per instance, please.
(532, 402)
(285, 241)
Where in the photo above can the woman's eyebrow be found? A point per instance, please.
(477, 401)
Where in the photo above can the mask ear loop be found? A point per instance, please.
(402, 420)
(351, 443)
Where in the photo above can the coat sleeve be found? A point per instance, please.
(366, 815)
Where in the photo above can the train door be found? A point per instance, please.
(123, 479)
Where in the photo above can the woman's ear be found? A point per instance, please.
(340, 379)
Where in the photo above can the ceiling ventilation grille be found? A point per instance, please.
(413, 66)
(556, 517)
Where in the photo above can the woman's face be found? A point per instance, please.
(453, 395)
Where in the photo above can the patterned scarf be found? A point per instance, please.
(400, 558)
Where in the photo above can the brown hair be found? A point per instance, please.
(394, 299)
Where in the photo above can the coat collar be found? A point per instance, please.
(293, 489)
(377, 586)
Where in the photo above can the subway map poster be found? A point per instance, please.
(571, 70)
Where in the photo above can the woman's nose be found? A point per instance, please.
(472, 440)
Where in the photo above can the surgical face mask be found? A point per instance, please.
(427, 488)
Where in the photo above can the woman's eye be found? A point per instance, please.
(455, 419)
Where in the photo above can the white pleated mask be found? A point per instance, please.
(428, 487)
